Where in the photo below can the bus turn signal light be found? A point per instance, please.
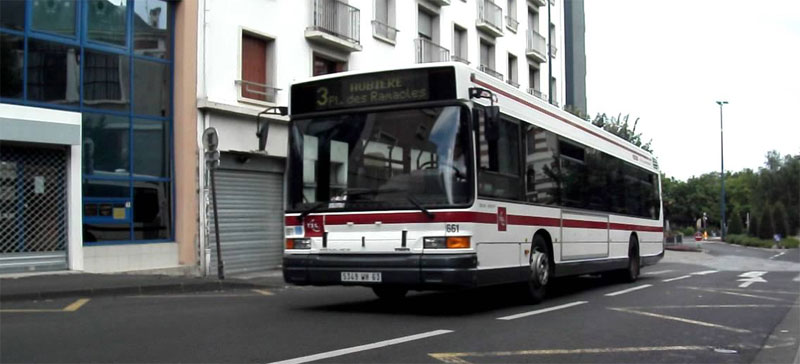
(298, 244)
(458, 242)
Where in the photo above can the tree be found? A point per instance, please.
(765, 226)
(753, 230)
(779, 219)
(735, 225)
(620, 127)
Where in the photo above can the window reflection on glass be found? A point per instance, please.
(53, 72)
(106, 80)
(151, 88)
(106, 188)
(105, 145)
(12, 14)
(150, 148)
(151, 33)
(54, 16)
(151, 210)
(107, 21)
(106, 232)
(12, 52)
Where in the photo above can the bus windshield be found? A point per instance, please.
(401, 159)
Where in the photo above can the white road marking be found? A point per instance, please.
(796, 279)
(777, 255)
(680, 319)
(736, 294)
(355, 349)
(702, 273)
(676, 278)
(657, 272)
(751, 277)
(628, 290)
(531, 313)
(713, 306)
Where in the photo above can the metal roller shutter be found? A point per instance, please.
(250, 221)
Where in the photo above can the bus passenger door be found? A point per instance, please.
(584, 235)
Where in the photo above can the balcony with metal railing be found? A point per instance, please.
(490, 18)
(487, 70)
(384, 32)
(461, 59)
(335, 24)
(441, 2)
(254, 91)
(511, 23)
(537, 3)
(427, 51)
(536, 48)
(539, 94)
(513, 83)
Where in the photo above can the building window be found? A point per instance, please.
(55, 16)
(460, 44)
(512, 71)
(511, 18)
(425, 25)
(107, 21)
(553, 91)
(383, 25)
(110, 60)
(323, 65)
(12, 55)
(151, 29)
(256, 76)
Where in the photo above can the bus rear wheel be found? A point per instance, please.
(541, 270)
(631, 274)
(385, 293)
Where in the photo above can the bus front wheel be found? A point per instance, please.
(541, 270)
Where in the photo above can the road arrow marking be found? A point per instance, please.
(750, 278)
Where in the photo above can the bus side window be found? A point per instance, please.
(498, 158)
(542, 169)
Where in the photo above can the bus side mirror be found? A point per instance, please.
(492, 123)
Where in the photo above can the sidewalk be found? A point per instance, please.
(77, 284)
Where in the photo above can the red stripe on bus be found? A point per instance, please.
(526, 103)
(470, 217)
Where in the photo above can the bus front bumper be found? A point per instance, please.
(419, 271)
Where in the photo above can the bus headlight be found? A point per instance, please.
(450, 242)
(303, 243)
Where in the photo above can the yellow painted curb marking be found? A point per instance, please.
(74, 306)
(263, 292)
(458, 357)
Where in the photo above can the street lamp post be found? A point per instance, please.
(722, 172)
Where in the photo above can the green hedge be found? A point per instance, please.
(763, 243)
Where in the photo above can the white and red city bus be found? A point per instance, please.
(439, 176)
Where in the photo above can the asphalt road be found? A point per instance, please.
(687, 309)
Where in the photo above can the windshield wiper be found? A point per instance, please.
(311, 209)
(419, 206)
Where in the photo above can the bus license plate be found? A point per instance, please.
(361, 277)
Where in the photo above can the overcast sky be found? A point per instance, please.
(668, 62)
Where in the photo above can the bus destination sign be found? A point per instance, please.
(374, 89)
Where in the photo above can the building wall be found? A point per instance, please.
(185, 131)
(112, 65)
(575, 55)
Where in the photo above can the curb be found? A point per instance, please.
(132, 290)
(683, 248)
